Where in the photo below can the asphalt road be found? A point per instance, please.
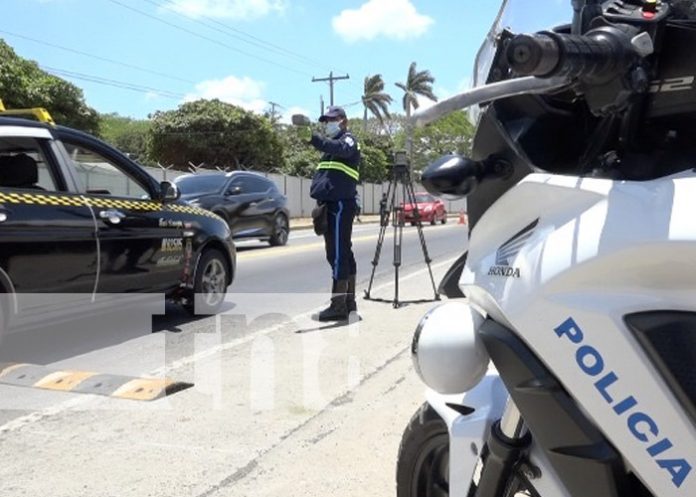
(301, 266)
(279, 404)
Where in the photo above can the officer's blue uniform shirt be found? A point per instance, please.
(337, 175)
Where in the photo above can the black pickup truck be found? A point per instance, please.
(79, 217)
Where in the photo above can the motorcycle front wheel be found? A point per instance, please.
(422, 469)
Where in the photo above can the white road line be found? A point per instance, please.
(319, 244)
(241, 341)
(308, 233)
(61, 407)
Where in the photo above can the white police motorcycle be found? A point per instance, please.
(570, 367)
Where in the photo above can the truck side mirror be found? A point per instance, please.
(169, 192)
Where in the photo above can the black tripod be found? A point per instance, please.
(400, 176)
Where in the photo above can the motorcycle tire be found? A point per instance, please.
(423, 464)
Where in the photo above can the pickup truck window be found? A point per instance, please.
(100, 176)
(23, 165)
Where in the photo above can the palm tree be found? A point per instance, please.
(418, 83)
(375, 99)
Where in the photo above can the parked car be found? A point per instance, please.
(250, 203)
(79, 217)
(430, 209)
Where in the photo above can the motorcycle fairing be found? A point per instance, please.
(602, 249)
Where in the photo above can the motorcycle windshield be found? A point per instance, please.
(519, 16)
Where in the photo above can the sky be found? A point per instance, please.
(135, 57)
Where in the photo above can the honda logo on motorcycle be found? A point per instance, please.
(642, 426)
(508, 252)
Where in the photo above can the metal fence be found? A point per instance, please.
(296, 189)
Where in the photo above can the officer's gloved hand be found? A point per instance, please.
(305, 133)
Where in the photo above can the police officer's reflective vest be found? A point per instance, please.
(337, 173)
(340, 166)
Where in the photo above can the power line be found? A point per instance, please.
(112, 82)
(242, 35)
(212, 40)
(352, 104)
(97, 57)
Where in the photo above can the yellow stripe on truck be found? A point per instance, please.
(67, 200)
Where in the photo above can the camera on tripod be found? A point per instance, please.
(400, 192)
(401, 166)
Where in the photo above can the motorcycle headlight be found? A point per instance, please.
(447, 352)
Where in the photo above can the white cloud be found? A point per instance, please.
(243, 92)
(228, 9)
(395, 19)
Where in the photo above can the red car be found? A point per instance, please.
(430, 209)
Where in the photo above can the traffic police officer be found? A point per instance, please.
(334, 185)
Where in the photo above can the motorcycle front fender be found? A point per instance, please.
(469, 418)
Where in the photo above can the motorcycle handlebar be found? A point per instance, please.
(600, 54)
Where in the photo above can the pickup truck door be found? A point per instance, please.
(47, 234)
(140, 249)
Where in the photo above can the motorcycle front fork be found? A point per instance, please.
(507, 443)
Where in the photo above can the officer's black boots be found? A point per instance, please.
(338, 310)
(350, 299)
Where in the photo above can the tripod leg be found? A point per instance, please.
(398, 243)
(380, 241)
(421, 236)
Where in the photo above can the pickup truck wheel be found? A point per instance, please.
(210, 285)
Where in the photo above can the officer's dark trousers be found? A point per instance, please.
(339, 247)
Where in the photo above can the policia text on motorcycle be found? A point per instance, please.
(334, 188)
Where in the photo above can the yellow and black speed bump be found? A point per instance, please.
(117, 386)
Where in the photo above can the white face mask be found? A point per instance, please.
(332, 128)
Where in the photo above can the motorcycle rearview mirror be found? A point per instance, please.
(454, 176)
(300, 120)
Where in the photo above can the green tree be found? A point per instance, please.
(300, 158)
(127, 134)
(374, 164)
(216, 134)
(376, 150)
(24, 85)
(418, 83)
(375, 99)
(452, 134)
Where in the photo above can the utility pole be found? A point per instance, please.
(331, 80)
(273, 110)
